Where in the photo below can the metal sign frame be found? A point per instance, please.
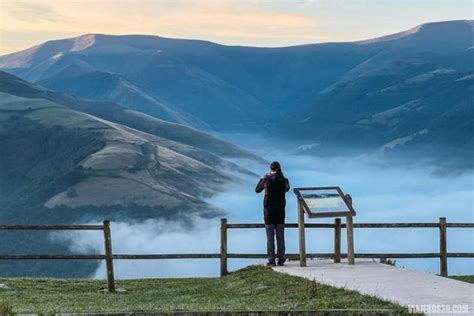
(310, 214)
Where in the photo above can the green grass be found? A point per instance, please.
(465, 278)
(252, 288)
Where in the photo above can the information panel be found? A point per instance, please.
(321, 201)
(324, 201)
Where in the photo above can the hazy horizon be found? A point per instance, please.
(246, 23)
(236, 45)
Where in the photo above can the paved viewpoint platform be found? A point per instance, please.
(403, 286)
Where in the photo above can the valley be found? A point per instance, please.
(139, 128)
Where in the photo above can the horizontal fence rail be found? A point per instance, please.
(442, 225)
(223, 255)
(360, 225)
(291, 256)
(296, 256)
(51, 227)
(105, 227)
(53, 257)
(168, 256)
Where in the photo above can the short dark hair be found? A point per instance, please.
(274, 166)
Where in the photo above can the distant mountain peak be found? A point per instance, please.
(228, 88)
(130, 43)
(431, 28)
(83, 42)
(392, 37)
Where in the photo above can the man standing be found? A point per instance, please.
(275, 185)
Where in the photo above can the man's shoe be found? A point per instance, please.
(271, 264)
(281, 263)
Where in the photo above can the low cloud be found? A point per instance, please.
(380, 193)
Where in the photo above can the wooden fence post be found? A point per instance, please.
(350, 234)
(443, 248)
(108, 257)
(302, 241)
(337, 240)
(224, 247)
(350, 239)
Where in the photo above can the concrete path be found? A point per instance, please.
(403, 286)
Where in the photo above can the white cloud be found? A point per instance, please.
(381, 194)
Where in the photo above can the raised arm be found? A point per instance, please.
(260, 185)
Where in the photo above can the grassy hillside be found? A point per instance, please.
(67, 160)
(183, 139)
(465, 278)
(252, 288)
(60, 150)
(53, 155)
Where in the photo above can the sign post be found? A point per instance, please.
(320, 202)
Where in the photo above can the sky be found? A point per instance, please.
(25, 23)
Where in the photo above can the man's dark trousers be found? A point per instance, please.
(279, 231)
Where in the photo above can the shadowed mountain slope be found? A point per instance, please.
(59, 150)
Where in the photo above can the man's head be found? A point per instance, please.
(275, 166)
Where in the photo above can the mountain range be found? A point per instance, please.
(406, 92)
(131, 112)
(59, 150)
(123, 126)
(69, 160)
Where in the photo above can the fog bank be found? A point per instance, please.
(380, 194)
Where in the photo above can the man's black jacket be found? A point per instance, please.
(274, 202)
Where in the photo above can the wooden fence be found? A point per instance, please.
(442, 225)
(105, 227)
(443, 253)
